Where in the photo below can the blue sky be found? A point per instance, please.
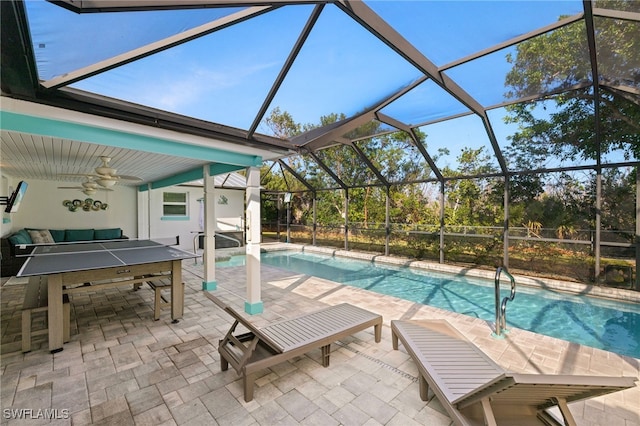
(225, 76)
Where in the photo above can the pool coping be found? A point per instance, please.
(612, 293)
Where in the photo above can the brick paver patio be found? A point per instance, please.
(122, 367)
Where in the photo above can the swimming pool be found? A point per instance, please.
(600, 323)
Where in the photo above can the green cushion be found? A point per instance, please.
(21, 237)
(57, 234)
(107, 234)
(25, 234)
(78, 235)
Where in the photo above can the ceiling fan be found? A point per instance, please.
(89, 187)
(106, 176)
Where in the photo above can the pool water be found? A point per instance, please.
(609, 325)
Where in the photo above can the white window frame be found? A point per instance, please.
(184, 203)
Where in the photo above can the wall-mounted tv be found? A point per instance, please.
(13, 201)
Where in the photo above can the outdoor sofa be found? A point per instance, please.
(12, 245)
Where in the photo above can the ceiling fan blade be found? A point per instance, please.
(81, 188)
(119, 177)
(84, 175)
(125, 177)
(104, 175)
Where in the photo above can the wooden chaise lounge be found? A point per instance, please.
(476, 391)
(262, 348)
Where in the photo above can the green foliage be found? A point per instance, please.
(473, 201)
(282, 124)
(563, 126)
(557, 130)
(618, 201)
(413, 204)
(330, 207)
(392, 154)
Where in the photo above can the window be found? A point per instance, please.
(174, 204)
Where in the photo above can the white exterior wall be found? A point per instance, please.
(230, 216)
(42, 208)
(128, 209)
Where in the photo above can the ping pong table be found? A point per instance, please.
(70, 266)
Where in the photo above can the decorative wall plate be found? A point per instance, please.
(89, 204)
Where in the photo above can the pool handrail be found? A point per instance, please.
(501, 307)
(200, 234)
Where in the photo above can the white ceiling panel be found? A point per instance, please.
(26, 156)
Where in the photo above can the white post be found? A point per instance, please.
(210, 221)
(143, 214)
(637, 238)
(253, 304)
(149, 210)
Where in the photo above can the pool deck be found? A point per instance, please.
(121, 367)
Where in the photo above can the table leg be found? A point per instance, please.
(177, 291)
(55, 313)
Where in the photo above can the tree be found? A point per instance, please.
(472, 201)
(282, 124)
(618, 201)
(563, 126)
(566, 203)
(392, 154)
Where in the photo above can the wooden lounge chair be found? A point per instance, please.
(262, 348)
(476, 391)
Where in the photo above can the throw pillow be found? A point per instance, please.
(25, 236)
(20, 238)
(41, 236)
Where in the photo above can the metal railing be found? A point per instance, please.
(501, 307)
(201, 234)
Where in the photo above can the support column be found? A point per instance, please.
(596, 247)
(287, 200)
(637, 238)
(346, 219)
(279, 217)
(442, 222)
(143, 214)
(387, 222)
(505, 230)
(209, 260)
(315, 218)
(149, 209)
(253, 304)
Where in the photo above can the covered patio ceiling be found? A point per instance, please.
(220, 69)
